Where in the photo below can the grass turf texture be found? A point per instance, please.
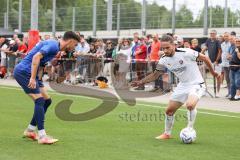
(114, 135)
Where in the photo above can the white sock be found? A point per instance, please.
(191, 117)
(31, 127)
(42, 133)
(169, 121)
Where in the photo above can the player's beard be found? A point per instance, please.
(170, 55)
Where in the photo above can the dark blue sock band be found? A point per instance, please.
(47, 103)
(39, 113)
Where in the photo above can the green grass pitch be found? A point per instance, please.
(117, 135)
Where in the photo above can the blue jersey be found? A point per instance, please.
(22, 72)
(48, 48)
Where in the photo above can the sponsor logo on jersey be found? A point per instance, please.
(181, 61)
(179, 70)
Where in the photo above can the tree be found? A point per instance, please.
(217, 14)
(130, 14)
(184, 18)
(158, 16)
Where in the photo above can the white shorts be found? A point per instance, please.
(181, 92)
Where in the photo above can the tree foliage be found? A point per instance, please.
(130, 15)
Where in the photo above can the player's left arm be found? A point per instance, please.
(35, 64)
(207, 61)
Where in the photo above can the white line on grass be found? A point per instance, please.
(142, 104)
(208, 113)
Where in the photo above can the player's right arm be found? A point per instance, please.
(35, 63)
(150, 78)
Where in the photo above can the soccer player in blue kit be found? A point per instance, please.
(26, 74)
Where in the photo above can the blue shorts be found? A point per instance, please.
(23, 77)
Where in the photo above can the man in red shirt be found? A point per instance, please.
(22, 48)
(140, 56)
(154, 58)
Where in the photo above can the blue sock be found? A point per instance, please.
(39, 113)
(46, 105)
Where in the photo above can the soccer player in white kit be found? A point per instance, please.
(182, 62)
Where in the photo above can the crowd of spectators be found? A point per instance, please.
(127, 59)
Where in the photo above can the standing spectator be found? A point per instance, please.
(67, 65)
(115, 73)
(81, 50)
(140, 56)
(233, 33)
(134, 45)
(108, 61)
(232, 48)
(123, 58)
(92, 61)
(178, 41)
(195, 47)
(186, 44)
(15, 36)
(22, 49)
(118, 47)
(231, 51)
(148, 41)
(12, 56)
(213, 46)
(100, 48)
(220, 38)
(154, 58)
(78, 33)
(47, 37)
(25, 40)
(225, 46)
(92, 48)
(3, 48)
(235, 72)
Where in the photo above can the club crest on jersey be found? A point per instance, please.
(181, 61)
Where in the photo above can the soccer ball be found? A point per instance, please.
(188, 135)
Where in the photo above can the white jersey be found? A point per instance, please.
(183, 64)
(3, 54)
